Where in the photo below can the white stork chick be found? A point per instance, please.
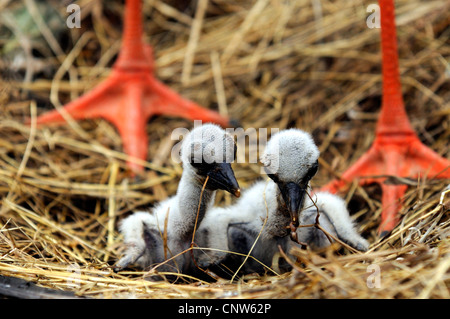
(290, 160)
(206, 152)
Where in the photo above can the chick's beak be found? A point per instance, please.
(293, 195)
(222, 177)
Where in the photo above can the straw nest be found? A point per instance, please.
(314, 65)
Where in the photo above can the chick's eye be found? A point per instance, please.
(196, 161)
(274, 177)
(196, 165)
(313, 170)
(202, 166)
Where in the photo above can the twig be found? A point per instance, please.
(111, 206)
(218, 82)
(193, 41)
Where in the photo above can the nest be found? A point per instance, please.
(314, 65)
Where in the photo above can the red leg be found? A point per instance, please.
(391, 203)
(131, 94)
(132, 124)
(396, 150)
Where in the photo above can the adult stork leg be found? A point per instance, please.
(131, 94)
(396, 150)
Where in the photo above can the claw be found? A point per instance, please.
(132, 254)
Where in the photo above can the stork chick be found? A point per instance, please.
(290, 160)
(206, 154)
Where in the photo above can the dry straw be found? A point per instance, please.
(308, 64)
